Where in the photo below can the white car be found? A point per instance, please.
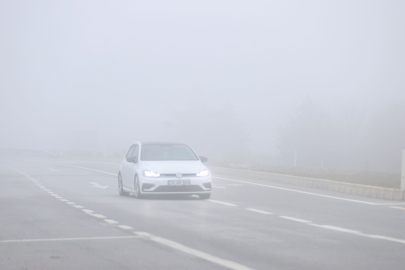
(163, 168)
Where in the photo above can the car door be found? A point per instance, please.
(125, 171)
(133, 167)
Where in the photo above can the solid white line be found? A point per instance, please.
(390, 204)
(224, 203)
(299, 191)
(125, 227)
(387, 238)
(259, 211)
(81, 168)
(296, 219)
(68, 239)
(397, 207)
(194, 252)
(334, 228)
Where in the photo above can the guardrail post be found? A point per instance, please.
(403, 170)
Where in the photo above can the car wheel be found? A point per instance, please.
(121, 187)
(204, 196)
(137, 188)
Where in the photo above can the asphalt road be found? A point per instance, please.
(67, 214)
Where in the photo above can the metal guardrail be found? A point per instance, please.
(26, 153)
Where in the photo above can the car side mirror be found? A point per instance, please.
(203, 159)
(132, 159)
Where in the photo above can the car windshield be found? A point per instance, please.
(167, 152)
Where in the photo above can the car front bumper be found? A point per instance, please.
(198, 185)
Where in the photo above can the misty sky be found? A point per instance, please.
(120, 67)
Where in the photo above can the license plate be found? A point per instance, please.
(178, 182)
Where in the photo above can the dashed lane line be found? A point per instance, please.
(224, 203)
(344, 230)
(97, 215)
(125, 227)
(298, 191)
(259, 211)
(111, 221)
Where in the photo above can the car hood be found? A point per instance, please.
(173, 166)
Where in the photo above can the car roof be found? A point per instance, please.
(160, 142)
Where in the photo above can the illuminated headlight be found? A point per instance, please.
(203, 173)
(151, 174)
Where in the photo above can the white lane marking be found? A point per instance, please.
(125, 227)
(387, 238)
(97, 185)
(217, 186)
(64, 200)
(111, 221)
(68, 239)
(329, 227)
(390, 204)
(224, 203)
(194, 252)
(296, 219)
(81, 168)
(396, 207)
(70, 202)
(97, 215)
(58, 197)
(334, 228)
(88, 211)
(259, 211)
(78, 206)
(299, 191)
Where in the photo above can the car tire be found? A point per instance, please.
(121, 187)
(204, 196)
(137, 189)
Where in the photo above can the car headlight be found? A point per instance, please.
(151, 174)
(203, 173)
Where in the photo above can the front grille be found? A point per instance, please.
(174, 175)
(190, 188)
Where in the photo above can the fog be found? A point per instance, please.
(241, 81)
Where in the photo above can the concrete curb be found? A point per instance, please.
(355, 189)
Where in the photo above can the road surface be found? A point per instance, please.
(67, 214)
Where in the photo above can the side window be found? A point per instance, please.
(130, 151)
(135, 153)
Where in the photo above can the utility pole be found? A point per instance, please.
(403, 170)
